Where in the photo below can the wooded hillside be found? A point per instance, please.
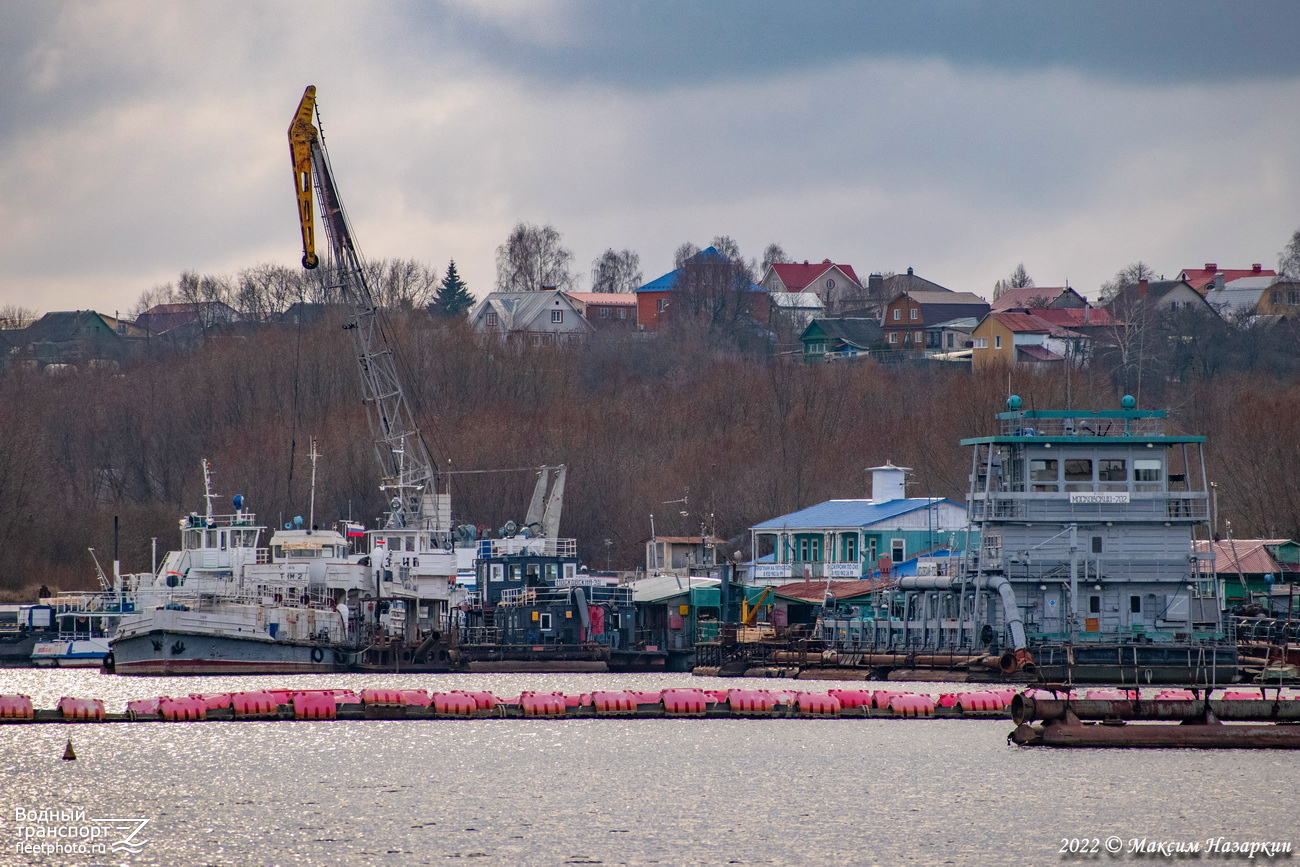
(638, 420)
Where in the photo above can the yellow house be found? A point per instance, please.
(1014, 338)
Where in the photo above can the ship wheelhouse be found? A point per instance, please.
(1091, 517)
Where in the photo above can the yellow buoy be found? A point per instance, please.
(69, 754)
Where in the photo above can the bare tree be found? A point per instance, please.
(616, 271)
(773, 254)
(1133, 273)
(264, 290)
(16, 316)
(1018, 279)
(533, 257)
(684, 252)
(1288, 261)
(403, 283)
(727, 246)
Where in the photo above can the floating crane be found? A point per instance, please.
(409, 476)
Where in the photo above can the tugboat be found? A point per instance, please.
(1085, 571)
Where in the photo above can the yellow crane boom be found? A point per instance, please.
(302, 133)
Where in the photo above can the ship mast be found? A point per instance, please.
(409, 476)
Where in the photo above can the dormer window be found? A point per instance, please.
(491, 319)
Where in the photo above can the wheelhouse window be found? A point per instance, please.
(1147, 475)
(1078, 474)
(1045, 474)
(1112, 473)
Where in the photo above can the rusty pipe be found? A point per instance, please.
(1025, 708)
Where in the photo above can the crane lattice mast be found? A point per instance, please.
(409, 475)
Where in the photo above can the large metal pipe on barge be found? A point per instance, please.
(1026, 708)
(1156, 723)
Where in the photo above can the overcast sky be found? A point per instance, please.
(139, 140)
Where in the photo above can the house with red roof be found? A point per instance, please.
(836, 285)
(1038, 297)
(1200, 278)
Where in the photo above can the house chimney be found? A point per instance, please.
(1257, 267)
(828, 262)
(875, 285)
(805, 261)
(1219, 282)
(887, 483)
(1142, 288)
(1211, 266)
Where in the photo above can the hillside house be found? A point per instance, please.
(1038, 297)
(1024, 338)
(907, 316)
(186, 318)
(1240, 299)
(604, 310)
(706, 279)
(1136, 302)
(1282, 298)
(69, 339)
(1201, 278)
(544, 316)
(837, 286)
(825, 339)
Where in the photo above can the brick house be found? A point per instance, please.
(906, 316)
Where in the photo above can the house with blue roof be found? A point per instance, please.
(849, 539)
(707, 282)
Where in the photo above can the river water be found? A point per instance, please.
(604, 791)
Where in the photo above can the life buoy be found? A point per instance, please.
(340, 658)
(317, 654)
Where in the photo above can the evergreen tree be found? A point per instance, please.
(453, 298)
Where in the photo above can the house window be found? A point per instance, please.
(491, 319)
(849, 548)
(914, 313)
(916, 337)
(950, 339)
(997, 341)
(898, 314)
(557, 316)
(622, 314)
(893, 335)
(830, 284)
(604, 313)
(1293, 296)
(663, 304)
(981, 343)
(897, 550)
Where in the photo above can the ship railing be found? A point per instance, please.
(477, 635)
(1140, 505)
(1083, 426)
(538, 546)
(565, 595)
(202, 522)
